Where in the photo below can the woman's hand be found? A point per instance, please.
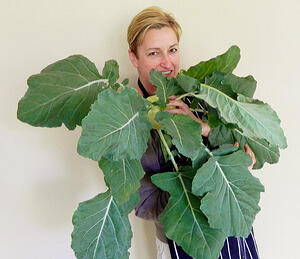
(248, 151)
(182, 108)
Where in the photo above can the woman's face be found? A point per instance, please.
(159, 50)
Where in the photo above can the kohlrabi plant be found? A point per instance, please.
(211, 197)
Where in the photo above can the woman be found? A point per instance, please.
(153, 38)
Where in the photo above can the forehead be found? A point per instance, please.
(159, 38)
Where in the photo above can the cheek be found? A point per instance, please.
(176, 60)
(144, 70)
(176, 63)
(148, 66)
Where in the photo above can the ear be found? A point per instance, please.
(133, 58)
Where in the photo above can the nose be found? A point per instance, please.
(166, 61)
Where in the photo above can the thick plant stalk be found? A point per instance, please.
(175, 165)
(161, 135)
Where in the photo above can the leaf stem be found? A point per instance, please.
(185, 95)
(207, 150)
(161, 135)
(199, 110)
(180, 176)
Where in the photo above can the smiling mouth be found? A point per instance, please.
(166, 73)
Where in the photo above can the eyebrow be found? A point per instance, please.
(176, 44)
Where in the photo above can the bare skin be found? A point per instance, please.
(249, 152)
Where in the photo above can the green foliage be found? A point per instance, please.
(165, 87)
(182, 219)
(255, 119)
(101, 228)
(264, 152)
(213, 196)
(116, 128)
(231, 193)
(63, 93)
(184, 132)
(122, 176)
(231, 84)
(225, 63)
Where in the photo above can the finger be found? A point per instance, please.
(171, 103)
(172, 97)
(177, 102)
(246, 149)
(180, 105)
(175, 111)
(176, 106)
(249, 151)
(236, 144)
(250, 167)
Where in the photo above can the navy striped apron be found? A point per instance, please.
(234, 248)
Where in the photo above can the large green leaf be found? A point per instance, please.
(116, 128)
(216, 80)
(224, 150)
(111, 71)
(255, 118)
(123, 177)
(62, 93)
(213, 118)
(231, 84)
(187, 83)
(185, 133)
(225, 63)
(102, 229)
(231, 193)
(264, 152)
(182, 219)
(241, 85)
(200, 158)
(165, 86)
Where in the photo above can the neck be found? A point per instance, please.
(151, 89)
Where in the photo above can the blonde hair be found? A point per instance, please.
(150, 18)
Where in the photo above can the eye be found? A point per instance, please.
(153, 53)
(173, 50)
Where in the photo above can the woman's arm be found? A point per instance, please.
(183, 108)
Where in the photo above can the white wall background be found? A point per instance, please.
(43, 178)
